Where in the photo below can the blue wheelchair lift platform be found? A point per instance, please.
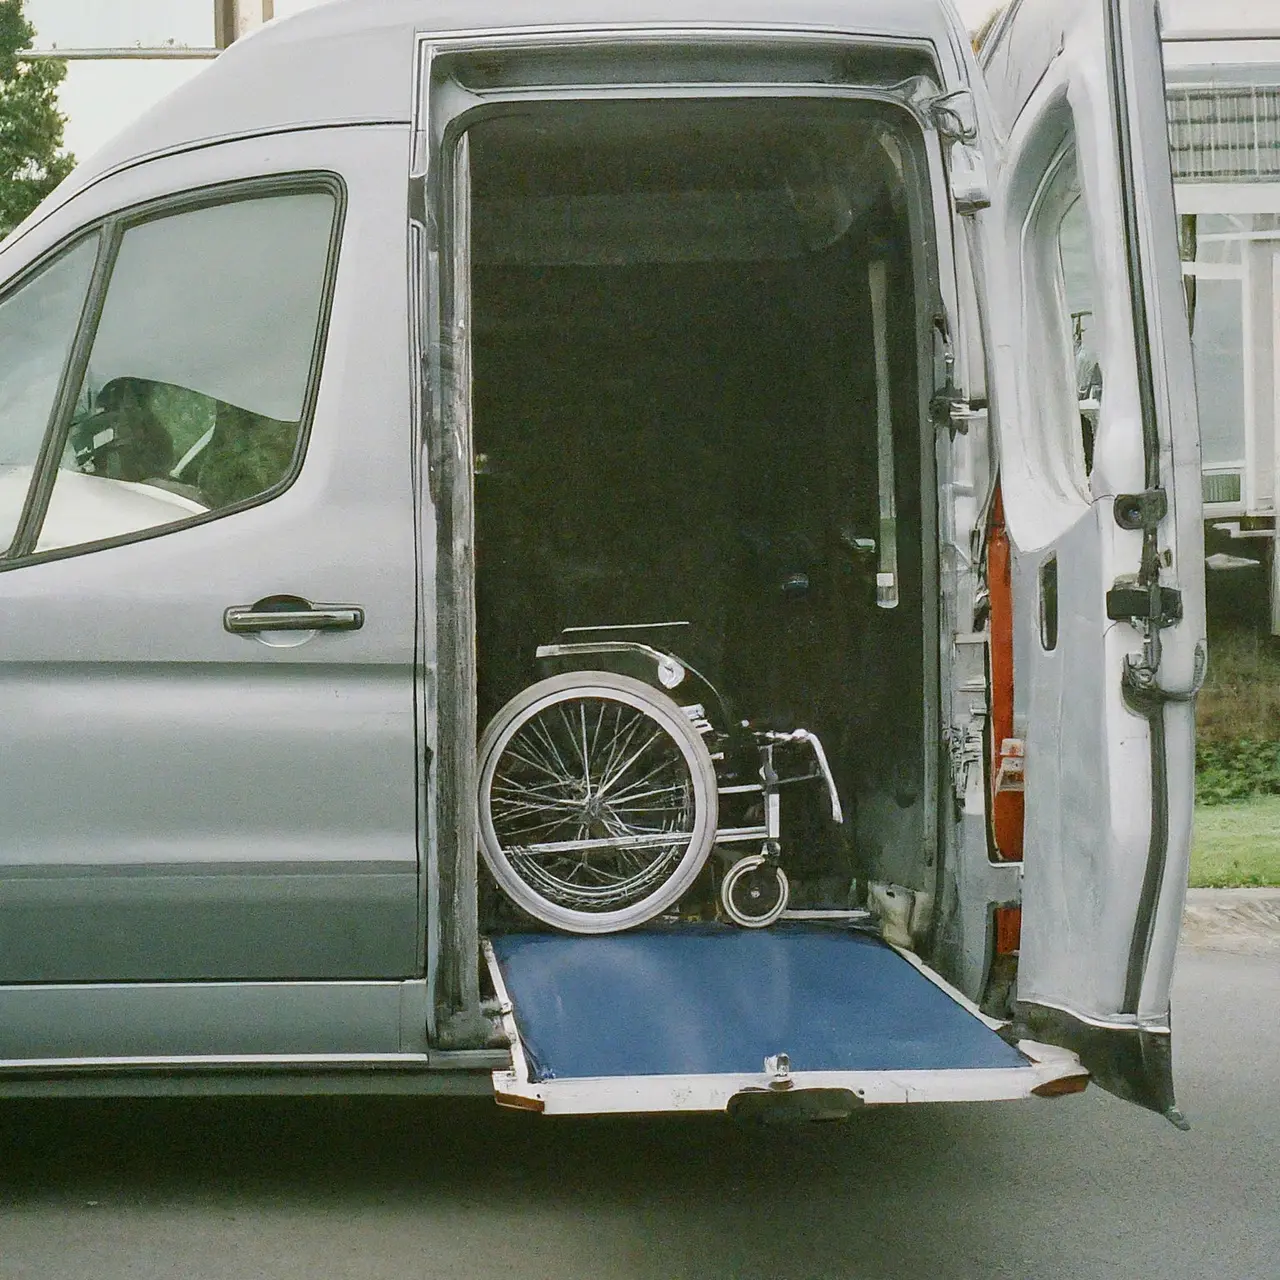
(696, 1016)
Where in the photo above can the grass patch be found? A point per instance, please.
(1238, 717)
(1237, 845)
(1241, 694)
(1227, 771)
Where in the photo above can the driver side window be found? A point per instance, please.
(38, 322)
(196, 386)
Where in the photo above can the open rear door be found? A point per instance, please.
(1100, 478)
(804, 1020)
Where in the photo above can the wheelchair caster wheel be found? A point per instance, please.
(754, 892)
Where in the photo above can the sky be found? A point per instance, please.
(101, 98)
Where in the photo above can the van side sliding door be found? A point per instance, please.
(209, 844)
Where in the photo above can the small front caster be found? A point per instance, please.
(754, 892)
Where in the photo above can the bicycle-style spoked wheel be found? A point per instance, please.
(597, 801)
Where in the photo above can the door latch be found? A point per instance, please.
(1127, 601)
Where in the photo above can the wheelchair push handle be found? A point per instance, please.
(820, 756)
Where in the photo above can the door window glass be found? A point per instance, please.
(1076, 258)
(38, 324)
(193, 398)
(1063, 328)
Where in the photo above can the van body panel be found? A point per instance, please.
(81, 1022)
(188, 803)
(228, 848)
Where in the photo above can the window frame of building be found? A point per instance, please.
(1259, 467)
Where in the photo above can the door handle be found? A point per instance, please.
(291, 613)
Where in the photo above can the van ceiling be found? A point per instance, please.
(742, 60)
(626, 183)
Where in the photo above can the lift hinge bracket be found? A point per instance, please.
(1142, 510)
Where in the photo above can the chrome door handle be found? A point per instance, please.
(291, 613)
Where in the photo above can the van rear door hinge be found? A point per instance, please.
(955, 413)
(949, 408)
(964, 746)
(1139, 597)
(1142, 510)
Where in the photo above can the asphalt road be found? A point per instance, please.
(1073, 1188)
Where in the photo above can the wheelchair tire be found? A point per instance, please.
(754, 893)
(598, 801)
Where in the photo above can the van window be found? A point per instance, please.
(1063, 326)
(1076, 258)
(38, 323)
(194, 393)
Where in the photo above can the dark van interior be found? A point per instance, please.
(674, 407)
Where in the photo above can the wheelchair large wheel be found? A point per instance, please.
(598, 801)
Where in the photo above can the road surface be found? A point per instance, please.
(394, 1190)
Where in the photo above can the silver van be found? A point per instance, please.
(427, 412)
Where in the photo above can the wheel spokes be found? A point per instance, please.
(592, 804)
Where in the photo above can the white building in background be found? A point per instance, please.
(1222, 60)
(126, 55)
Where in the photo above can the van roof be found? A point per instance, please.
(351, 61)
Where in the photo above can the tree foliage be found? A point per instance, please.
(32, 161)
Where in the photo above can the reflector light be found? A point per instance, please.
(1061, 1086)
(1008, 930)
(1007, 782)
(518, 1102)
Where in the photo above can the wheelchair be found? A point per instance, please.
(605, 787)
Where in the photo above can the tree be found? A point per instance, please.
(32, 161)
